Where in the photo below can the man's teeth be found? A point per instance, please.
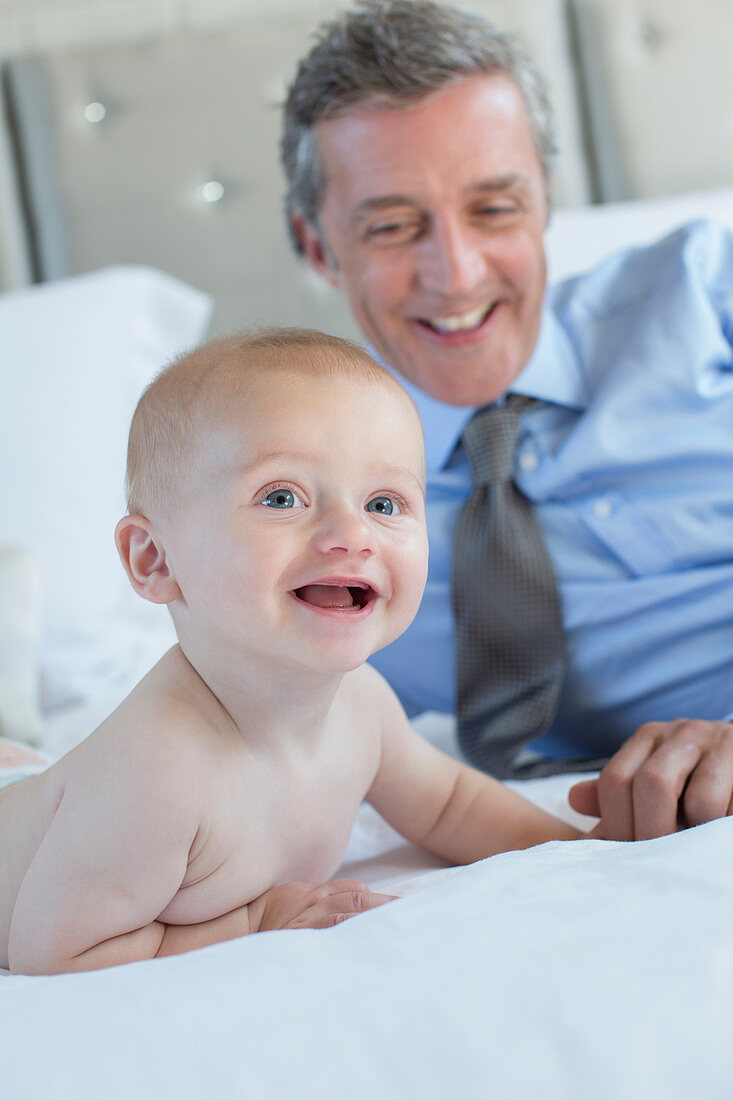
(460, 321)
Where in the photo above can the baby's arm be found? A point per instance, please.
(114, 855)
(445, 806)
(290, 905)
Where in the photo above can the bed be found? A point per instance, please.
(569, 969)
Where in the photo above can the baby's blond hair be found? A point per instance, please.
(166, 433)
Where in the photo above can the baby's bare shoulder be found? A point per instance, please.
(365, 687)
(159, 738)
(365, 703)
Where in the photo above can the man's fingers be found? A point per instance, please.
(668, 775)
(615, 797)
(658, 787)
(709, 792)
(583, 797)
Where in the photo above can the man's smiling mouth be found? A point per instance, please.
(458, 322)
(336, 596)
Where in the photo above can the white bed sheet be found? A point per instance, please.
(568, 970)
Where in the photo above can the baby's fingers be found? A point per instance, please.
(341, 899)
(351, 896)
(338, 916)
(313, 905)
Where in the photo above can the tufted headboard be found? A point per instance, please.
(160, 147)
(656, 79)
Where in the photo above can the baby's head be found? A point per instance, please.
(277, 477)
(198, 394)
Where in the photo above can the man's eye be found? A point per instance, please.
(385, 228)
(282, 498)
(385, 506)
(396, 232)
(497, 211)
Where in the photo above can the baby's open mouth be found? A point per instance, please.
(336, 595)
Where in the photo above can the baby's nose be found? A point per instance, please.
(345, 530)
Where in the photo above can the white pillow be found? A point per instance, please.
(76, 354)
(20, 718)
(580, 237)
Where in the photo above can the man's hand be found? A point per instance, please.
(668, 776)
(309, 905)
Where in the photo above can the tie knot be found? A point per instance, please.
(490, 439)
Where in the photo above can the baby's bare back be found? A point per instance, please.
(244, 815)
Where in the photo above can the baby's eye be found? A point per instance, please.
(385, 506)
(282, 498)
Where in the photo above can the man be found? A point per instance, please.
(418, 148)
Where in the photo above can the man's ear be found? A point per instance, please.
(315, 251)
(143, 556)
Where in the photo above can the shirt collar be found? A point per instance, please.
(553, 374)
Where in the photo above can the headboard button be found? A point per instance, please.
(211, 191)
(95, 112)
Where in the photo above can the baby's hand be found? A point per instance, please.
(312, 905)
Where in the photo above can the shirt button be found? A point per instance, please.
(528, 460)
(602, 508)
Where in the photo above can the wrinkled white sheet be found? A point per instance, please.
(570, 970)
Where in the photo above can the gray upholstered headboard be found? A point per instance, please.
(161, 148)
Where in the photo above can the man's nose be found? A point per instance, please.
(450, 260)
(346, 530)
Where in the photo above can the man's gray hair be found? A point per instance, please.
(390, 53)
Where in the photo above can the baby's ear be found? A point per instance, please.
(143, 556)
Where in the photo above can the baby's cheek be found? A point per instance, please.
(413, 583)
(420, 562)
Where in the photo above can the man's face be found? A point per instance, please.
(301, 541)
(432, 224)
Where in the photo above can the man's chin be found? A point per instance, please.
(453, 375)
(463, 387)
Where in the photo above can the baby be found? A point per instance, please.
(276, 496)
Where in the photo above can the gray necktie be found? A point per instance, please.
(508, 621)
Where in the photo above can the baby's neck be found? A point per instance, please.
(271, 707)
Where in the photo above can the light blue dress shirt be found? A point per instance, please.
(628, 460)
